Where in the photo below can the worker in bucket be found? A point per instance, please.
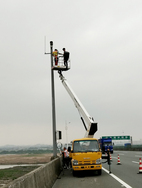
(55, 54)
(66, 57)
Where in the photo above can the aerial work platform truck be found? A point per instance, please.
(85, 153)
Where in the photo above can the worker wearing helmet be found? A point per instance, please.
(55, 54)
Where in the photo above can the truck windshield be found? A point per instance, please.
(107, 144)
(85, 146)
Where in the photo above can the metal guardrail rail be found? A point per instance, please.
(128, 148)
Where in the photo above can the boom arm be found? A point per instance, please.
(92, 126)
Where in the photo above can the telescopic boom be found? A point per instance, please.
(85, 117)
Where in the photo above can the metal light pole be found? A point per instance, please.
(53, 104)
(66, 128)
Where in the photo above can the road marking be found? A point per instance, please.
(114, 157)
(118, 179)
(135, 162)
(121, 153)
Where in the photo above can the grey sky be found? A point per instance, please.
(104, 39)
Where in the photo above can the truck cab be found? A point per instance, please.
(86, 155)
(106, 144)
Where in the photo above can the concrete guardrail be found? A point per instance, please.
(42, 177)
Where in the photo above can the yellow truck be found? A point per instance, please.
(86, 155)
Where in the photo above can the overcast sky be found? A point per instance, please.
(104, 39)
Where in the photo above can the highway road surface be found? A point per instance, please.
(125, 175)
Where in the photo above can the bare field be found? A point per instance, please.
(8, 175)
(24, 159)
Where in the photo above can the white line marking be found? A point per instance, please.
(118, 179)
(135, 162)
(114, 157)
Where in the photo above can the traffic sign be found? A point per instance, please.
(118, 137)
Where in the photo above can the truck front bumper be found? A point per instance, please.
(87, 167)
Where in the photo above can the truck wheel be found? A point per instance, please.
(100, 172)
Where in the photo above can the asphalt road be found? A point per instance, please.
(124, 175)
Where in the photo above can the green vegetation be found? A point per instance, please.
(15, 172)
